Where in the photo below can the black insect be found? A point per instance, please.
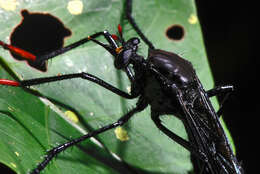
(166, 82)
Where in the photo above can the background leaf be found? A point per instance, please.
(30, 125)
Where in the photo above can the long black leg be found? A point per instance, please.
(176, 138)
(220, 90)
(134, 25)
(227, 90)
(82, 75)
(55, 53)
(55, 151)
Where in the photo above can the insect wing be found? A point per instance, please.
(198, 136)
(224, 154)
(207, 134)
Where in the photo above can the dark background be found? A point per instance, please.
(228, 32)
(227, 28)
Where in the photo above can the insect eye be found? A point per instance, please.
(136, 41)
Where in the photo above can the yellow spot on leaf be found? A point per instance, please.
(128, 88)
(72, 116)
(10, 108)
(13, 164)
(17, 154)
(75, 7)
(8, 5)
(121, 134)
(193, 19)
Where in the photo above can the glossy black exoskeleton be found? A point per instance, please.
(169, 84)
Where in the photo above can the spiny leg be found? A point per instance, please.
(131, 20)
(55, 151)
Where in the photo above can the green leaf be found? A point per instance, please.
(30, 125)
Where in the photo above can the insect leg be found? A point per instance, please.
(42, 58)
(176, 138)
(220, 90)
(76, 44)
(131, 20)
(82, 75)
(227, 90)
(55, 151)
